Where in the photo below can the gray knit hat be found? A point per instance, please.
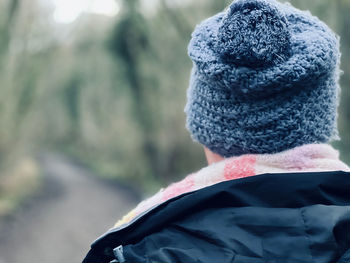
(264, 79)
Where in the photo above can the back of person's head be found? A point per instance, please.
(264, 80)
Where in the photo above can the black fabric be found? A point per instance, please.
(301, 217)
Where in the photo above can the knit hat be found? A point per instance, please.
(264, 79)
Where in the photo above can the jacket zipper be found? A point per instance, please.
(119, 255)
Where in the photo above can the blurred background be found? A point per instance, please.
(91, 112)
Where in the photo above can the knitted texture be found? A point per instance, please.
(306, 158)
(264, 79)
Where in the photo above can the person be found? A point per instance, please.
(262, 101)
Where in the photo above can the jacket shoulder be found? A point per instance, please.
(245, 220)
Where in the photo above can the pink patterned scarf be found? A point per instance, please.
(306, 158)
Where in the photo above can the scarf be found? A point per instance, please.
(306, 158)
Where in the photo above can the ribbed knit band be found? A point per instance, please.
(264, 79)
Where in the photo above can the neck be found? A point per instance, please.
(212, 157)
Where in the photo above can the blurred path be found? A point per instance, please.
(58, 225)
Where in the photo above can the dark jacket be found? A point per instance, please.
(270, 218)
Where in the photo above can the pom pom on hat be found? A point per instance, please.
(254, 33)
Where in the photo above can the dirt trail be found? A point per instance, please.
(58, 225)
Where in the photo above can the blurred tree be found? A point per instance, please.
(6, 25)
(178, 19)
(128, 42)
(219, 5)
(340, 13)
